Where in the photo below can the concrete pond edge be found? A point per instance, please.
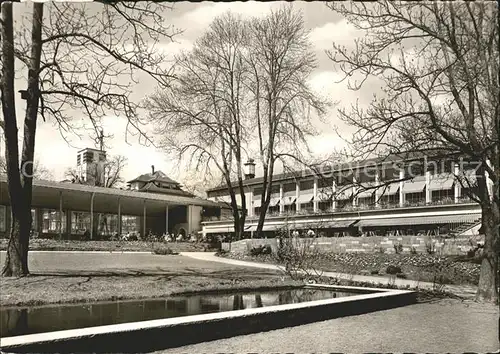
(145, 336)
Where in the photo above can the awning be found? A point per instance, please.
(343, 193)
(219, 230)
(366, 193)
(257, 202)
(305, 198)
(324, 194)
(390, 189)
(413, 186)
(421, 220)
(440, 182)
(288, 200)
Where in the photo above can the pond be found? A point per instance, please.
(20, 321)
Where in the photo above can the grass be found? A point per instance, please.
(71, 278)
(112, 246)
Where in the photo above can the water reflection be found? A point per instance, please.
(19, 321)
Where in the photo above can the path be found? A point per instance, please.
(460, 290)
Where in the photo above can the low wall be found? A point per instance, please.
(174, 332)
(366, 244)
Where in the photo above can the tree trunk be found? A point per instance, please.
(20, 180)
(16, 262)
(488, 279)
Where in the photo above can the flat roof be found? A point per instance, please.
(78, 196)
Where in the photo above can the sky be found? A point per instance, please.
(58, 154)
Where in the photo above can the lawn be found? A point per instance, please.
(58, 277)
(442, 326)
(114, 246)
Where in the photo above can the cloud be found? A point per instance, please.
(341, 33)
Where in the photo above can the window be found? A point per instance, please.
(307, 206)
(306, 185)
(3, 217)
(107, 224)
(325, 182)
(443, 195)
(366, 201)
(51, 222)
(34, 221)
(415, 198)
(289, 187)
(130, 224)
(80, 222)
(325, 205)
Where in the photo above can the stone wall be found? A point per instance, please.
(383, 244)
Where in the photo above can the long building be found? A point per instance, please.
(77, 209)
(389, 197)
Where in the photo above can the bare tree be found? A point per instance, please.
(39, 170)
(440, 66)
(202, 115)
(108, 174)
(281, 62)
(81, 57)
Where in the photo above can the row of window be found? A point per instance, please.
(410, 198)
(107, 224)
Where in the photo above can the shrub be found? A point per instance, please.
(392, 269)
(430, 248)
(401, 275)
(163, 251)
(381, 249)
(398, 248)
(413, 250)
(260, 250)
(374, 271)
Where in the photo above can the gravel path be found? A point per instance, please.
(440, 327)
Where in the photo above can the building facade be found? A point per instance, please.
(80, 211)
(370, 198)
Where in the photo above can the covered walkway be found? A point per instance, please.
(156, 212)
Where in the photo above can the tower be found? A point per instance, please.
(90, 163)
(90, 166)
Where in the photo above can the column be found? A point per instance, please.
(188, 220)
(282, 201)
(60, 215)
(92, 216)
(250, 203)
(457, 186)
(489, 182)
(334, 190)
(297, 195)
(315, 195)
(354, 191)
(166, 219)
(428, 194)
(378, 191)
(401, 192)
(119, 218)
(144, 216)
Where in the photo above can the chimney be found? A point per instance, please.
(250, 169)
(152, 169)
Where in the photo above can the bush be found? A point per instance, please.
(398, 248)
(413, 250)
(392, 269)
(164, 251)
(261, 250)
(401, 275)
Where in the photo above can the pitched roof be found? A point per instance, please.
(152, 188)
(158, 176)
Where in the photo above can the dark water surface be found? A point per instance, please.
(19, 321)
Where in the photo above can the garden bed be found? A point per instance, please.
(420, 267)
